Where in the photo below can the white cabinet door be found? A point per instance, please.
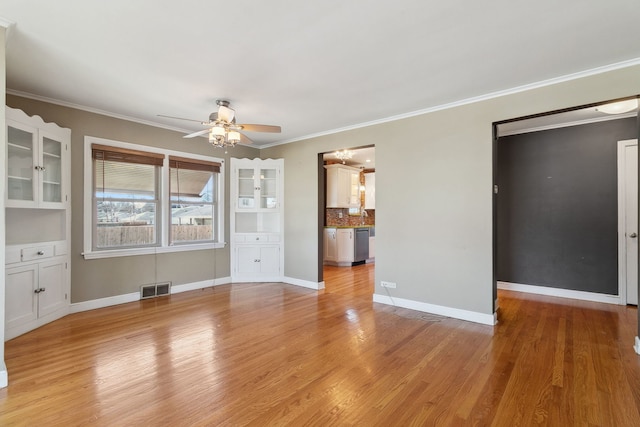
(345, 239)
(22, 162)
(258, 260)
(330, 245)
(270, 260)
(21, 300)
(343, 186)
(248, 260)
(51, 281)
(37, 157)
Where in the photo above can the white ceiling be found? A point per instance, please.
(311, 67)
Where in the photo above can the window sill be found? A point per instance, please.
(150, 251)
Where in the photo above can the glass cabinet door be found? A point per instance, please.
(268, 189)
(246, 189)
(51, 170)
(20, 164)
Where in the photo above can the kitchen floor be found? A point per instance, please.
(356, 281)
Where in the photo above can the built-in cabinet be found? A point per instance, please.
(257, 220)
(343, 186)
(37, 284)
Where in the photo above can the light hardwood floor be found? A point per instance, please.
(275, 354)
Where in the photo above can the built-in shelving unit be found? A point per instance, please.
(37, 281)
(257, 220)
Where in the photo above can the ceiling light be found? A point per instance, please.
(618, 107)
(343, 155)
(223, 136)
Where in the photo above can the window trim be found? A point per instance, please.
(164, 205)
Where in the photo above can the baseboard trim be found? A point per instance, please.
(561, 293)
(304, 283)
(456, 313)
(135, 296)
(103, 302)
(4, 376)
(176, 289)
(637, 346)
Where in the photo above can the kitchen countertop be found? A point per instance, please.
(350, 226)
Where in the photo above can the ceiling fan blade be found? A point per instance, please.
(226, 114)
(261, 128)
(200, 132)
(245, 140)
(179, 118)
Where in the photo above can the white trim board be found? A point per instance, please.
(304, 283)
(560, 293)
(491, 95)
(135, 296)
(456, 313)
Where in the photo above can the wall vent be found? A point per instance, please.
(155, 290)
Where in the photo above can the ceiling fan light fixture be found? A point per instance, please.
(233, 137)
(619, 107)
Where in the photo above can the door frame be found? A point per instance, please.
(622, 220)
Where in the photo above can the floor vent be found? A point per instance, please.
(151, 291)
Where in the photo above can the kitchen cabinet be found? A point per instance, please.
(36, 286)
(257, 220)
(330, 245)
(37, 159)
(339, 246)
(370, 190)
(343, 186)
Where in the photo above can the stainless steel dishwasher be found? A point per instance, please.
(361, 252)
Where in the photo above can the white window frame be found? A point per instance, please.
(164, 204)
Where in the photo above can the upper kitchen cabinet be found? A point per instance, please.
(370, 190)
(343, 186)
(37, 162)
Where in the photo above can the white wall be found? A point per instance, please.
(433, 191)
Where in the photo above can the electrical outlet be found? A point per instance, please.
(340, 215)
(388, 284)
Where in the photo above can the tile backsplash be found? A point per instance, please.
(332, 217)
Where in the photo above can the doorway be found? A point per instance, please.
(628, 221)
(347, 221)
(564, 241)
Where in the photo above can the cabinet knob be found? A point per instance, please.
(40, 252)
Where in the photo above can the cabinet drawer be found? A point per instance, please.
(38, 252)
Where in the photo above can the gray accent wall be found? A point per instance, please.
(108, 277)
(558, 207)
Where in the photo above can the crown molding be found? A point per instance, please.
(6, 23)
(94, 110)
(485, 97)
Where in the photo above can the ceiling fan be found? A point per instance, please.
(222, 127)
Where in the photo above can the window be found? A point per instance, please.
(193, 199)
(142, 200)
(125, 197)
